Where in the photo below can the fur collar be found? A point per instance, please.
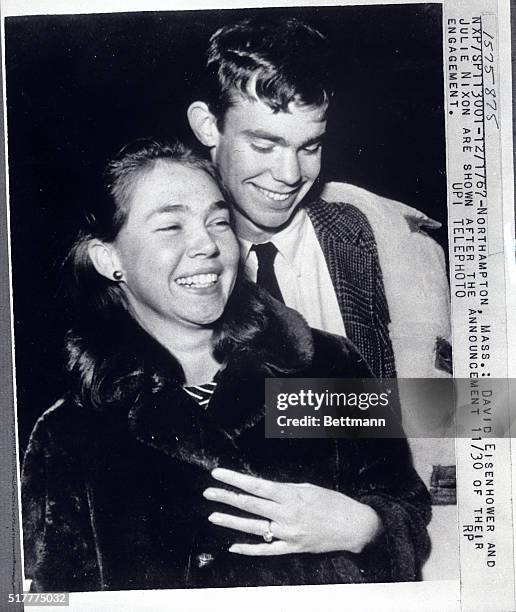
(143, 386)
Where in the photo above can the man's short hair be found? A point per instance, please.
(276, 61)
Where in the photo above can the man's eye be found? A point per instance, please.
(262, 148)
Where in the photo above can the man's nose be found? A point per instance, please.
(287, 168)
(202, 244)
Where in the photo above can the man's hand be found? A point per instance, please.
(302, 517)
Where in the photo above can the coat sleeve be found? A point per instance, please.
(382, 476)
(387, 482)
(57, 531)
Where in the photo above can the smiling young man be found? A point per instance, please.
(263, 118)
(352, 263)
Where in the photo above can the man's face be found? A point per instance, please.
(268, 161)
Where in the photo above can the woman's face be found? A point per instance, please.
(177, 251)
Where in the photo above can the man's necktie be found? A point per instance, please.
(266, 253)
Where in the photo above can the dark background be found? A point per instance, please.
(78, 87)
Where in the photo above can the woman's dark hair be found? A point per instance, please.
(278, 60)
(101, 312)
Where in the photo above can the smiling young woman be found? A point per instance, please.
(122, 486)
(177, 258)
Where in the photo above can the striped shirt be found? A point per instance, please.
(201, 393)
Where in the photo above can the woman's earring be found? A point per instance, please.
(117, 275)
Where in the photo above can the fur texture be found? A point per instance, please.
(112, 489)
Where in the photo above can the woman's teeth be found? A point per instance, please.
(274, 195)
(198, 280)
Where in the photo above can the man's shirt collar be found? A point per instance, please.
(286, 241)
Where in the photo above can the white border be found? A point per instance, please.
(11, 299)
(11, 8)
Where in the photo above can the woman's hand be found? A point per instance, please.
(301, 517)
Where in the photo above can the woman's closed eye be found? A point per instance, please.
(262, 147)
(169, 227)
(220, 223)
(312, 149)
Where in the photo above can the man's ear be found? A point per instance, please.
(105, 259)
(203, 124)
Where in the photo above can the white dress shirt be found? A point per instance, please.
(302, 274)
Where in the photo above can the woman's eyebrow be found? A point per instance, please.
(166, 208)
(316, 140)
(171, 208)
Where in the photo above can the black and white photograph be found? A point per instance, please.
(200, 200)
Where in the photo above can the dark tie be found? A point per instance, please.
(266, 253)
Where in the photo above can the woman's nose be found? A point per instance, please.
(202, 244)
(287, 168)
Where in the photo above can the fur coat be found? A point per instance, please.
(112, 491)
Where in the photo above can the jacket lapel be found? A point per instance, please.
(351, 263)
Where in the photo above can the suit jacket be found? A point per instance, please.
(415, 280)
(349, 247)
(112, 488)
